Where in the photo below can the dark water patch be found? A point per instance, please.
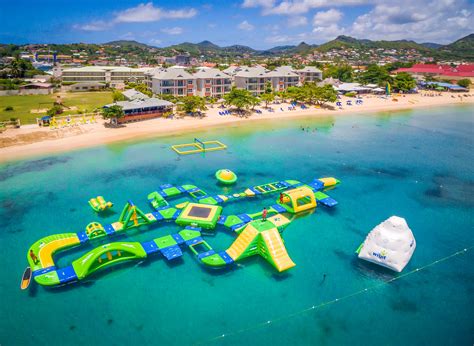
(106, 213)
(174, 262)
(154, 170)
(18, 230)
(110, 321)
(280, 276)
(326, 327)
(13, 170)
(343, 255)
(403, 305)
(72, 210)
(139, 327)
(209, 281)
(12, 210)
(357, 231)
(33, 289)
(393, 172)
(72, 327)
(446, 189)
(372, 270)
(376, 188)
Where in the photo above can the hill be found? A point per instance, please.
(463, 48)
(343, 42)
(138, 52)
(127, 43)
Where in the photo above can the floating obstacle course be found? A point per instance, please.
(256, 234)
(198, 146)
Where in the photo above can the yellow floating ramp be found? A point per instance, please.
(276, 250)
(242, 242)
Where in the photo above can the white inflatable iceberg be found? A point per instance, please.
(390, 244)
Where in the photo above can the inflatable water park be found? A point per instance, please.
(257, 234)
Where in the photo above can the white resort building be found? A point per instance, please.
(116, 76)
(174, 81)
(255, 79)
(211, 82)
(283, 77)
(309, 74)
(252, 79)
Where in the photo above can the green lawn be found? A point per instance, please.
(22, 105)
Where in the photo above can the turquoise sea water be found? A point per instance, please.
(416, 164)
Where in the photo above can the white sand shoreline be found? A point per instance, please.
(31, 141)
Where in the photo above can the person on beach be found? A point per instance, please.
(281, 198)
(264, 214)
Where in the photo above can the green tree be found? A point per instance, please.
(168, 97)
(342, 72)
(56, 109)
(296, 94)
(465, 83)
(143, 89)
(254, 101)
(239, 98)
(375, 75)
(117, 96)
(404, 82)
(268, 87)
(211, 101)
(320, 94)
(192, 104)
(267, 98)
(112, 112)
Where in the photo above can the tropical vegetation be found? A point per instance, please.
(191, 104)
(112, 112)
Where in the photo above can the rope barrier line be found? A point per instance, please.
(330, 302)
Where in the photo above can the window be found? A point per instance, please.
(190, 82)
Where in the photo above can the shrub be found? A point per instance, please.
(464, 83)
(351, 94)
(8, 108)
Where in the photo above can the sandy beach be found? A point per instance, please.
(30, 140)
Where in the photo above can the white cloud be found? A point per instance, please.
(246, 26)
(324, 33)
(294, 7)
(128, 36)
(149, 13)
(279, 39)
(154, 41)
(142, 13)
(258, 3)
(98, 25)
(326, 18)
(173, 31)
(424, 20)
(297, 21)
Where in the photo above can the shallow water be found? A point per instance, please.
(416, 164)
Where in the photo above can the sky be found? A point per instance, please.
(260, 24)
